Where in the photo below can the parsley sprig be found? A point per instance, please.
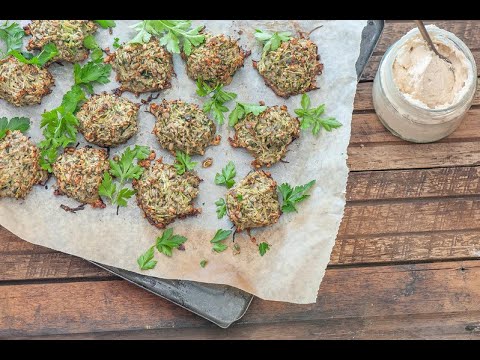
(165, 245)
(263, 247)
(60, 127)
(175, 35)
(272, 41)
(242, 109)
(292, 196)
(124, 169)
(311, 117)
(183, 163)
(221, 207)
(168, 241)
(227, 176)
(48, 52)
(218, 97)
(220, 235)
(16, 123)
(13, 35)
(105, 24)
(95, 71)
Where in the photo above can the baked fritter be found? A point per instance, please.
(142, 67)
(292, 68)
(19, 167)
(67, 35)
(253, 202)
(23, 84)
(79, 174)
(182, 126)
(164, 196)
(108, 120)
(267, 135)
(216, 60)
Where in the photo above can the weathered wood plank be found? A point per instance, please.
(409, 247)
(466, 30)
(364, 100)
(413, 184)
(372, 295)
(413, 156)
(367, 128)
(449, 326)
(410, 217)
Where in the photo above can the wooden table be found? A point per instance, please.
(405, 264)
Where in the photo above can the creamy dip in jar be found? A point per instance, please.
(420, 97)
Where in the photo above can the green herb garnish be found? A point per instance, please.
(242, 109)
(175, 35)
(183, 163)
(310, 118)
(60, 127)
(227, 175)
(292, 196)
(123, 170)
(221, 207)
(167, 242)
(95, 71)
(145, 261)
(16, 123)
(116, 43)
(48, 52)
(272, 41)
(203, 263)
(13, 35)
(220, 236)
(105, 24)
(218, 97)
(263, 247)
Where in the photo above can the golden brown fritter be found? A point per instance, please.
(19, 167)
(253, 202)
(23, 84)
(292, 68)
(182, 126)
(164, 196)
(142, 67)
(67, 35)
(108, 120)
(267, 135)
(79, 174)
(216, 60)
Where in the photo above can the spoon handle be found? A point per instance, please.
(426, 36)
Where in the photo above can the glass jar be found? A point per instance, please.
(410, 121)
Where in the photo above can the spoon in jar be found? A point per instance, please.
(429, 41)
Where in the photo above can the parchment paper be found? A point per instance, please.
(301, 242)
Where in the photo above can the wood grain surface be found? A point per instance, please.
(406, 263)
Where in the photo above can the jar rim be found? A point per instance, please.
(462, 47)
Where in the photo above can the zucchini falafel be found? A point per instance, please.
(142, 67)
(164, 196)
(292, 68)
(79, 174)
(182, 126)
(108, 120)
(19, 166)
(23, 84)
(216, 60)
(267, 135)
(253, 202)
(67, 35)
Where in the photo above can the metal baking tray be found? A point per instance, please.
(221, 304)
